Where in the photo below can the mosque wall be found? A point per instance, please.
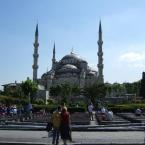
(69, 80)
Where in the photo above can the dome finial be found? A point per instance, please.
(72, 50)
(47, 69)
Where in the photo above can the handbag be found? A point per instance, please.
(49, 126)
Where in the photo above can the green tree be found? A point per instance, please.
(133, 88)
(75, 90)
(55, 90)
(136, 88)
(29, 88)
(117, 89)
(108, 89)
(96, 92)
(142, 86)
(66, 91)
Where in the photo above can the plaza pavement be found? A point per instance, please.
(94, 137)
(102, 138)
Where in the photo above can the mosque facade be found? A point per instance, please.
(71, 69)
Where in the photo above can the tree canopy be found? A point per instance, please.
(29, 88)
(64, 91)
(96, 91)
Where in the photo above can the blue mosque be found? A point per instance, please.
(71, 69)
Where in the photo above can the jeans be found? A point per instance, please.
(55, 136)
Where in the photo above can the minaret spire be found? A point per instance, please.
(100, 56)
(100, 27)
(36, 31)
(54, 51)
(35, 55)
(53, 59)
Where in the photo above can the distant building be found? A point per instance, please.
(12, 88)
(121, 99)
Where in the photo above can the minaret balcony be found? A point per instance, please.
(100, 65)
(100, 42)
(100, 53)
(35, 55)
(35, 66)
(36, 44)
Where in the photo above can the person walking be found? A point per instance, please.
(65, 125)
(90, 110)
(56, 121)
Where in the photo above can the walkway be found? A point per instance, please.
(41, 137)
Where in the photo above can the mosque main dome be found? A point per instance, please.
(70, 63)
(72, 58)
(71, 55)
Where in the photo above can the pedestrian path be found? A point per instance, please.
(98, 138)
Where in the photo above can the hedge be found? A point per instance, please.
(126, 107)
(47, 108)
(51, 108)
(12, 100)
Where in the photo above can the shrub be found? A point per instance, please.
(126, 107)
(51, 108)
(51, 102)
(11, 100)
(47, 108)
(39, 101)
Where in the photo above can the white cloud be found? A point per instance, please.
(139, 65)
(131, 57)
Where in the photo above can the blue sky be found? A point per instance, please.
(72, 23)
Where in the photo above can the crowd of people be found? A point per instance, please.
(14, 110)
(103, 112)
(106, 115)
(8, 110)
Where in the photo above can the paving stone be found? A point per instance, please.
(41, 137)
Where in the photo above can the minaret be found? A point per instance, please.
(53, 59)
(100, 56)
(35, 55)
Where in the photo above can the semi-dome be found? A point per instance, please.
(47, 74)
(91, 73)
(91, 69)
(68, 68)
(44, 75)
